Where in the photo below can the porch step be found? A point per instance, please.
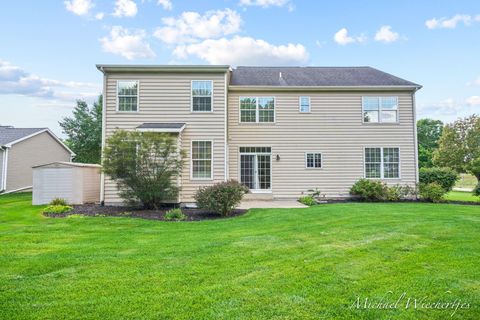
(258, 196)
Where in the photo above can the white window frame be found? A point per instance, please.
(138, 96)
(380, 110)
(314, 153)
(300, 104)
(382, 176)
(257, 118)
(191, 96)
(191, 160)
(256, 153)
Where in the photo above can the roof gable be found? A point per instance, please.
(10, 134)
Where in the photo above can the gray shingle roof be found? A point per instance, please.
(9, 134)
(315, 76)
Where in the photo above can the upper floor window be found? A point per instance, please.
(257, 109)
(202, 95)
(382, 163)
(127, 96)
(380, 109)
(304, 104)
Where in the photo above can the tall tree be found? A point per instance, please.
(84, 131)
(428, 134)
(459, 146)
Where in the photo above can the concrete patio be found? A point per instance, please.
(250, 204)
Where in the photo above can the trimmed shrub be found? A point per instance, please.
(56, 209)
(58, 202)
(399, 192)
(307, 200)
(175, 215)
(370, 190)
(221, 198)
(433, 192)
(444, 177)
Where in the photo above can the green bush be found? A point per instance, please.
(175, 215)
(221, 198)
(370, 190)
(433, 192)
(399, 192)
(307, 200)
(144, 165)
(476, 190)
(56, 209)
(444, 177)
(58, 202)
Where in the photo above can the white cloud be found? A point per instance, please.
(475, 82)
(385, 34)
(166, 4)
(191, 26)
(243, 51)
(16, 80)
(267, 3)
(473, 101)
(130, 44)
(342, 37)
(125, 8)
(99, 16)
(79, 7)
(451, 23)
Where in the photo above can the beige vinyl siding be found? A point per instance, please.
(165, 97)
(37, 150)
(334, 128)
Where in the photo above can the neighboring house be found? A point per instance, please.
(23, 148)
(278, 130)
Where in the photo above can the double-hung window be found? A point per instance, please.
(127, 96)
(257, 109)
(313, 160)
(380, 109)
(382, 163)
(202, 161)
(202, 93)
(304, 104)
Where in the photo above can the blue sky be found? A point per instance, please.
(49, 49)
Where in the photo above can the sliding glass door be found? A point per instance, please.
(255, 167)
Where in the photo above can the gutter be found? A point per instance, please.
(161, 68)
(323, 88)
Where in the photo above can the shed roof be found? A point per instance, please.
(69, 164)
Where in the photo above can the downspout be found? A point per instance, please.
(415, 138)
(3, 187)
(104, 120)
(226, 168)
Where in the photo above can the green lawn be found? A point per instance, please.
(462, 196)
(269, 264)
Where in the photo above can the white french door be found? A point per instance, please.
(256, 168)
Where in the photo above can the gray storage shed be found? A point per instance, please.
(77, 183)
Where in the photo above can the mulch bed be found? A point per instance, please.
(94, 210)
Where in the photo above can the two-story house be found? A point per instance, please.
(278, 130)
